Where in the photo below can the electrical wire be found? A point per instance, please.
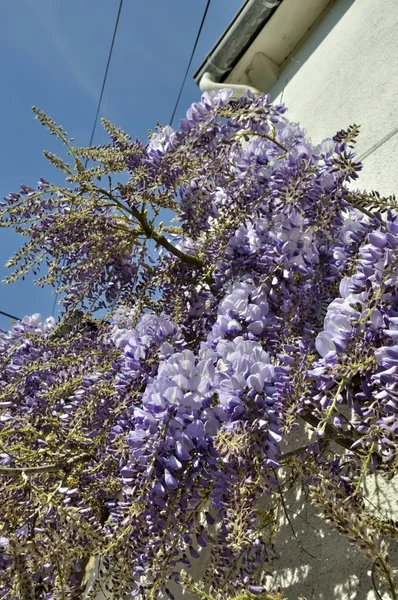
(106, 75)
(190, 62)
(100, 99)
(9, 316)
(106, 71)
(103, 89)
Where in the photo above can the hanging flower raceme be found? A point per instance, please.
(159, 434)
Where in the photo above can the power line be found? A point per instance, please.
(100, 99)
(190, 61)
(9, 316)
(106, 71)
(103, 89)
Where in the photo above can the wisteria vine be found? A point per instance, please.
(149, 436)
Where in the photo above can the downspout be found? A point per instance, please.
(208, 84)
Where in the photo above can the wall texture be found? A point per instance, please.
(346, 71)
(315, 562)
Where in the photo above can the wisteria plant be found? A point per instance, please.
(154, 423)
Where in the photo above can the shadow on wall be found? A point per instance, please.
(307, 46)
(314, 561)
(317, 563)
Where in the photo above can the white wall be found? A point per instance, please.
(319, 563)
(346, 71)
(315, 562)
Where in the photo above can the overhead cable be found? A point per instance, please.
(106, 71)
(9, 316)
(190, 62)
(100, 98)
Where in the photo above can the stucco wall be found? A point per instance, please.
(315, 562)
(346, 71)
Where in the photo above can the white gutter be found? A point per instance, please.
(237, 38)
(208, 84)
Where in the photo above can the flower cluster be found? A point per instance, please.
(158, 434)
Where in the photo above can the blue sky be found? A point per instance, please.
(53, 55)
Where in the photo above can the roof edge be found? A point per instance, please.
(236, 39)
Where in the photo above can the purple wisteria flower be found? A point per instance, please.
(160, 432)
